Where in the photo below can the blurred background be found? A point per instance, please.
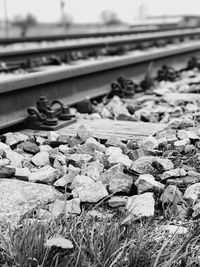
(37, 17)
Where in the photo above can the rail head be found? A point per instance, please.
(11, 40)
(8, 56)
(67, 72)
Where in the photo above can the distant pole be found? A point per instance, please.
(6, 18)
(62, 6)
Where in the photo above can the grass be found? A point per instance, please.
(101, 242)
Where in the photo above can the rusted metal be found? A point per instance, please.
(91, 79)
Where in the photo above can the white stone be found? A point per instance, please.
(196, 210)
(65, 207)
(4, 147)
(46, 174)
(45, 148)
(175, 229)
(81, 180)
(52, 136)
(165, 164)
(93, 143)
(59, 242)
(147, 182)
(120, 158)
(93, 170)
(178, 172)
(171, 195)
(84, 132)
(63, 181)
(40, 140)
(4, 162)
(79, 159)
(105, 113)
(180, 145)
(40, 159)
(15, 138)
(60, 164)
(149, 143)
(92, 193)
(64, 149)
(140, 206)
(22, 173)
(143, 164)
(183, 134)
(113, 151)
(120, 182)
(192, 193)
(17, 198)
(15, 158)
(117, 201)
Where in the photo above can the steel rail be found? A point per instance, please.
(90, 79)
(24, 54)
(11, 40)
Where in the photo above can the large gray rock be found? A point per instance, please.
(4, 162)
(81, 180)
(41, 159)
(64, 149)
(149, 143)
(117, 201)
(65, 207)
(52, 136)
(171, 195)
(15, 138)
(183, 134)
(140, 206)
(60, 164)
(93, 170)
(113, 151)
(15, 158)
(46, 174)
(17, 198)
(94, 144)
(163, 164)
(175, 229)
(178, 172)
(7, 172)
(106, 176)
(192, 193)
(92, 193)
(120, 182)
(22, 173)
(84, 132)
(119, 158)
(143, 165)
(4, 147)
(181, 144)
(30, 147)
(146, 182)
(184, 181)
(79, 160)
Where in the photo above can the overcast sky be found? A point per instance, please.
(89, 10)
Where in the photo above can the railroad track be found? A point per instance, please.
(92, 79)
(12, 40)
(149, 167)
(24, 58)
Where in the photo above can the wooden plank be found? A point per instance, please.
(105, 128)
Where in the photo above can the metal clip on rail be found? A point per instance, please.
(45, 117)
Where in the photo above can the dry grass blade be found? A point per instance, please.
(183, 246)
